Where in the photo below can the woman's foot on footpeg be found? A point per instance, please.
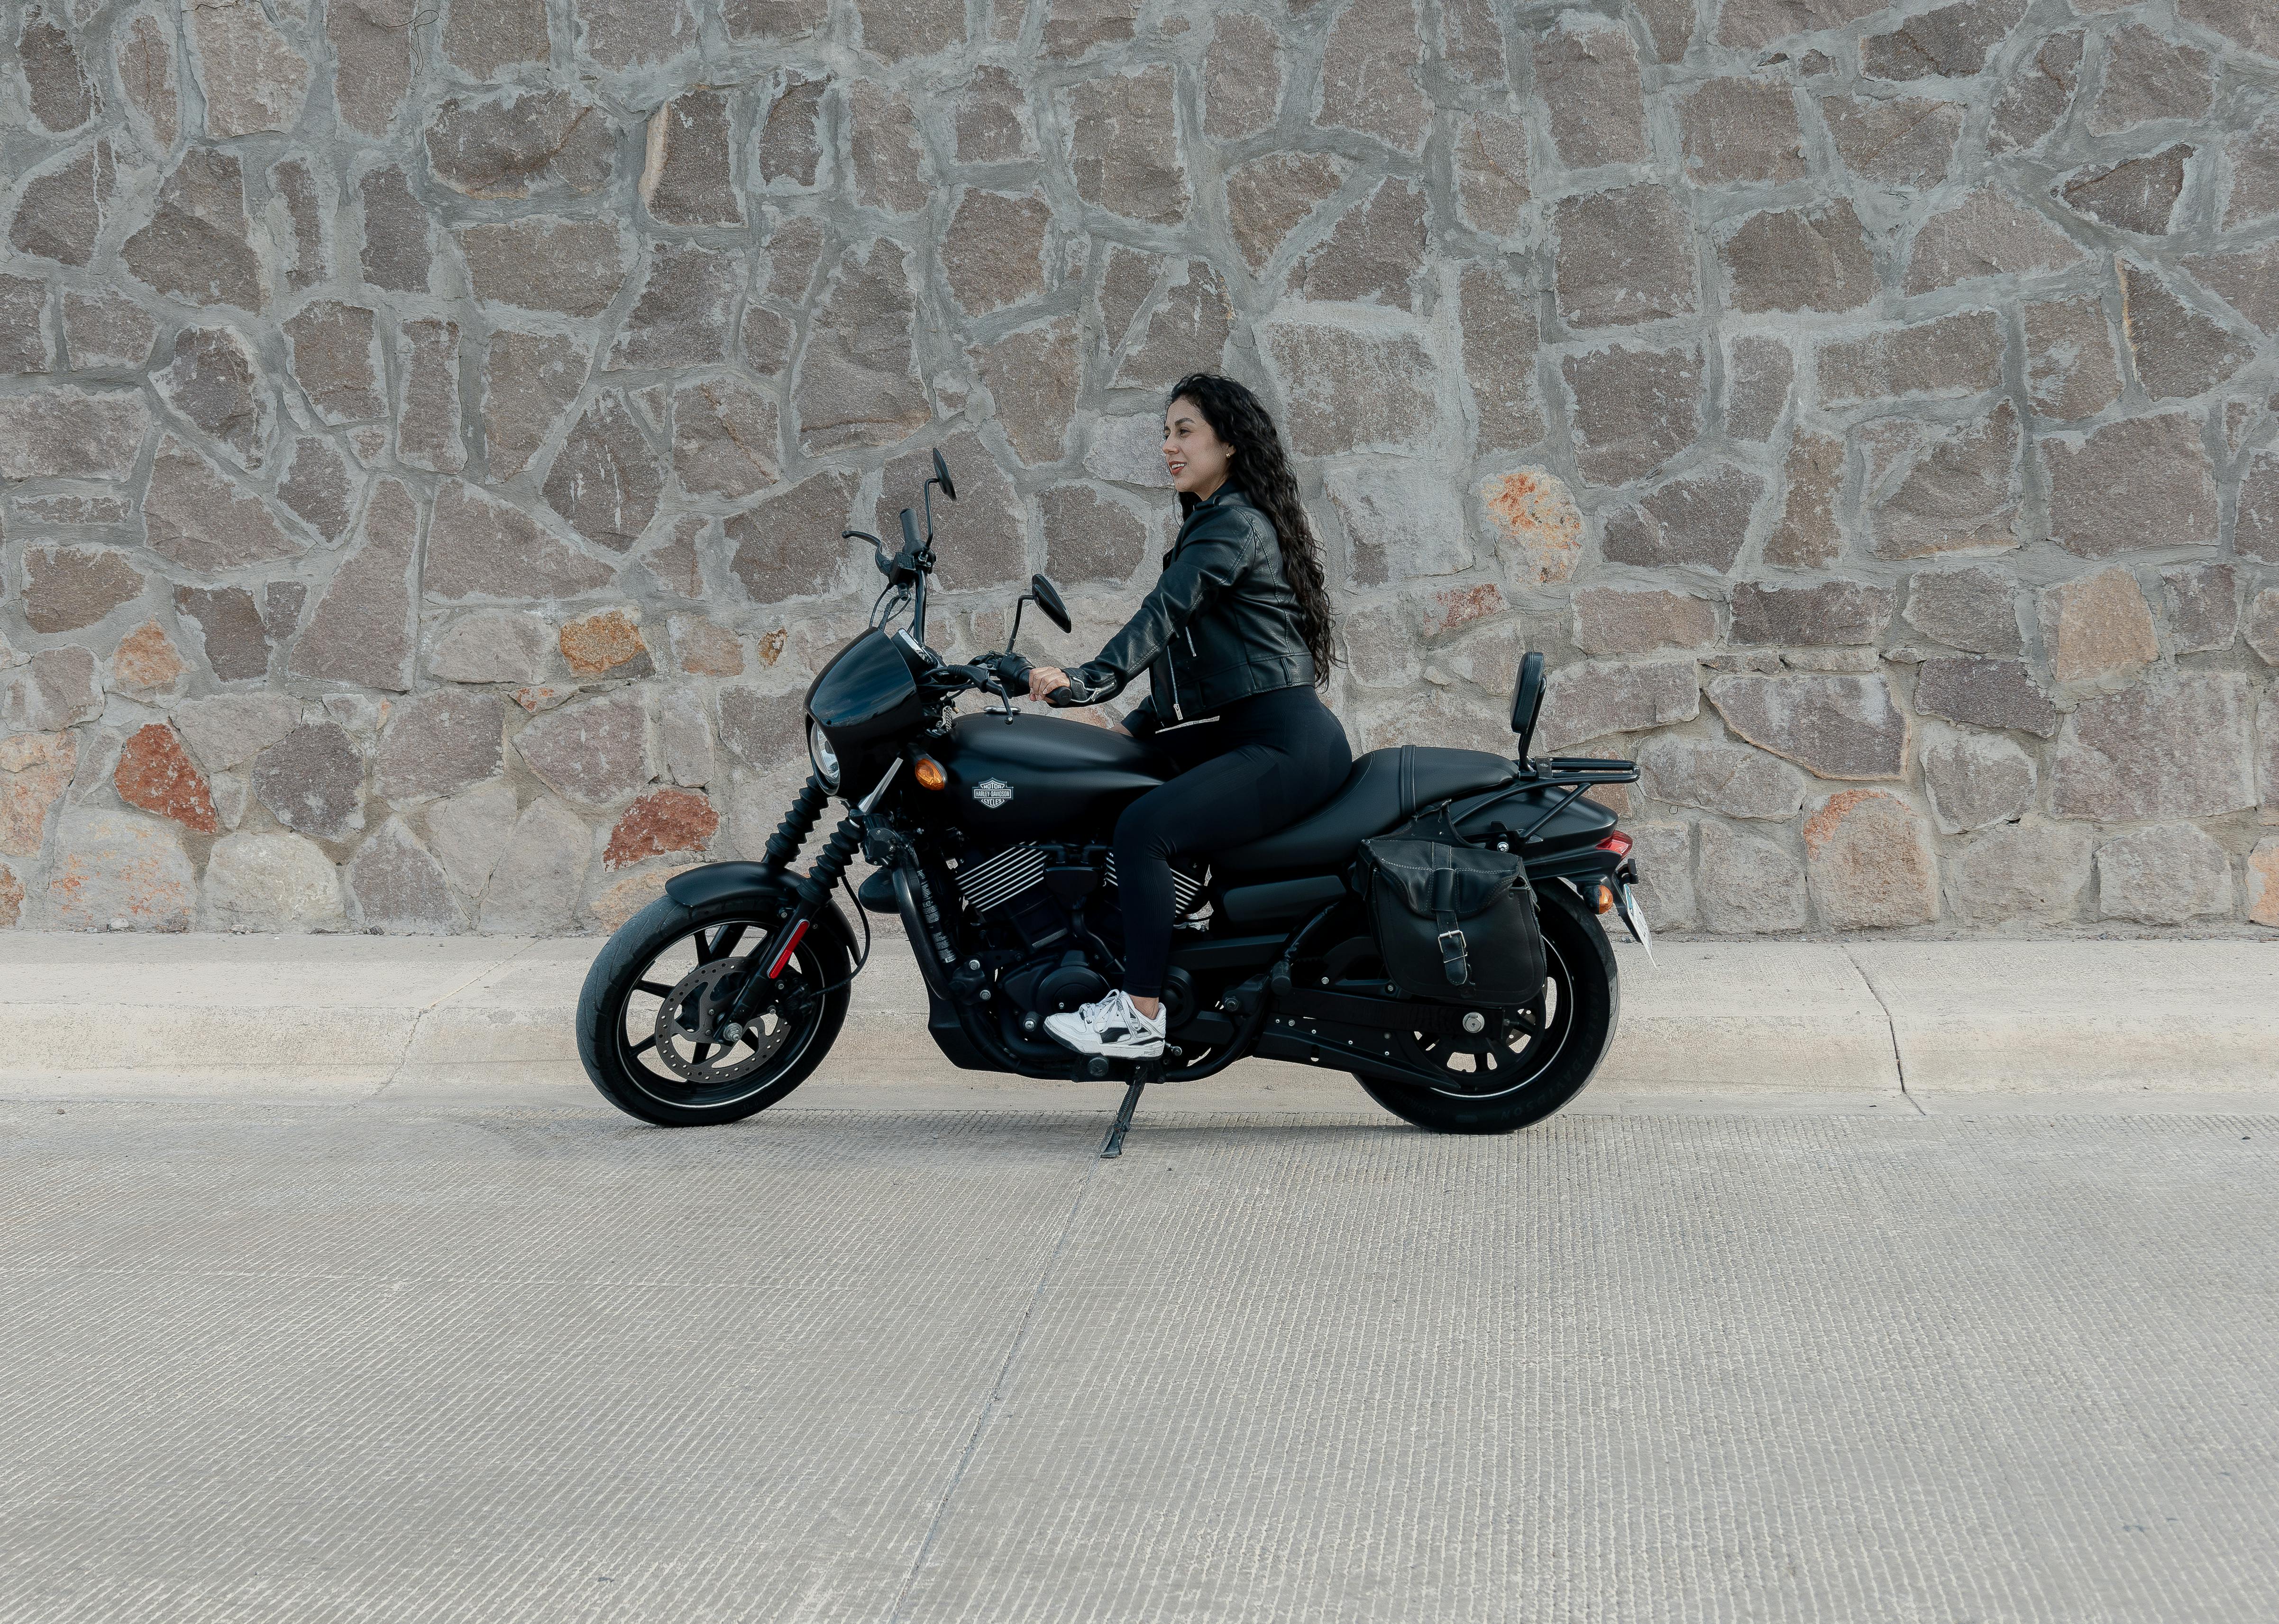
(1112, 1026)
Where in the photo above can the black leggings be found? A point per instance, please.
(1263, 764)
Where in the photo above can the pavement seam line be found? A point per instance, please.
(997, 1397)
(420, 1020)
(1891, 1028)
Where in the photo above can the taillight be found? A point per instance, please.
(1617, 843)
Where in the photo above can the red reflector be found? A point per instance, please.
(1617, 843)
(784, 957)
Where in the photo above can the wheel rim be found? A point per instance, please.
(1494, 1065)
(670, 1023)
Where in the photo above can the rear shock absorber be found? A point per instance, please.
(798, 823)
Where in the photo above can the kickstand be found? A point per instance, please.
(1146, 1072)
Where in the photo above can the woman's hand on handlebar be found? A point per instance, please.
(1043, 679)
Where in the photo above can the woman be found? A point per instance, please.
(1239, 630)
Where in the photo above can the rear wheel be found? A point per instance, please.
(1500, 1082)
(653, 1021)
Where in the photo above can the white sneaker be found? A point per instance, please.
(1112, 1026)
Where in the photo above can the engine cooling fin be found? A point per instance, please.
(998, 880)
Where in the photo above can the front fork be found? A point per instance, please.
(766, 966)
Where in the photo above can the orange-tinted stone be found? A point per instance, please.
(156, 774)
(1540, 522)
(1459, 606)
(33, 769)
(772, 646)
(601, 642)
(665, 820)
(146, 658)
(12, 897)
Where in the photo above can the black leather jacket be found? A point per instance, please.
(1221, 625)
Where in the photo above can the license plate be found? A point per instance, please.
(1633, 913)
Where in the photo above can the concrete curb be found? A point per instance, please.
(1862, 1020)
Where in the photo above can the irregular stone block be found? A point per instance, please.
(483, 36)
(35, 770)
(2256, 533)
(1975, 779)
(2254, 165)
(231, 632)
(993, 252)
(252, 77)
(1451, 609)
(319, 487)
(62, 96)
(398, 247)
(477, 547)
(1490, 160)
(1088, 538)
(1633, 408)
(664, 820)
(2070, 369)
(1185, 331)
(197, 517)
(2098, 626)
(146, 67)
(2145, 482)
(1991, 694)
(1586, 72)
(790, 139)
(11, 899)
(1350, 389)
(1594, 699)
(1538, 527)
(438, 744)
(1742, 129)
(619, 33)
(2147, 77)
(1032, 377)
(594, 753)
(1128, 451)
(2166, 875)
(1869, 863)
(146, 663)
(1958, 354)
(2139, 195)
(1953, 42)
(2262, 628)
(67, 588)
(2263, 882)
(2036, 98)
(1242, 81)
(469, 832)
(196, 247)
(398, 887)
(702, 649)
(1803, 259)
(312, 780)
(2203, 607)
(1702, 519)
(606, 641)
(534, 886)
(2175, 748)
(891, 170)
(1831, 612)
(60, 212)
(537, 143)
(54, 689)
(361, 631)
(1759, 375)
(491, 647)
(859, 383)
(686, 307)
(1747, 885)
(1374, 254)
(2022, 871)
(106, 330)
(1269, 197)
(536, 263)
(2246, 23)
(531, 380)
(1401, 522)
(990, 116)
(1500, 336)
(1624, 257)
(900, 29)
(334, 354)
(2247, 280)
(231, 729)
(1123, 150)
(764, 730)
(372, 45)
(1959, 492)
(1370, 73)
(1612, 620)
(788, 547)
(1806, 536)
(24, 346)
(723, 440)
(1727, 778)
(112, 870)
(684, 734)
(1986, 234)
(1973, 607)
(2176, 351)
(271, 882)
(1833, 726)
(604, 481)
(1902, 142)
(68, 434)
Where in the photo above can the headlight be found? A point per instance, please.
(826, 758)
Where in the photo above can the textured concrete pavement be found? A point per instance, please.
(390, 1361)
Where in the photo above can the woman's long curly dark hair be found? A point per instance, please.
(1261, 470)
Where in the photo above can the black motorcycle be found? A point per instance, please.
(990, 833)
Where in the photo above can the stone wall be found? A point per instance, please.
(426, 429)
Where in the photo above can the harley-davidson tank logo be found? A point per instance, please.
(992, 792)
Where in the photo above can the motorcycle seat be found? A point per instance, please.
(1383, 787)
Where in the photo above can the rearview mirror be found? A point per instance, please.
(942, 475)
(1048, 599)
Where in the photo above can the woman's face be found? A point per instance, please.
(1197, 457)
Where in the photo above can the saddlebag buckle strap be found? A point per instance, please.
(1454, 956)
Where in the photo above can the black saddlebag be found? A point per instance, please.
(1452, 920)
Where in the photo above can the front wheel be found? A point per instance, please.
(653, 1021)
(1500, 1083)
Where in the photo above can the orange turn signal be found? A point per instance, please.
(930, 774)
(1605, 901)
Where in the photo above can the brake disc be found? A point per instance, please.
(689, 1026)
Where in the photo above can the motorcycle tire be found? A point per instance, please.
(665, 939)
(1584, 1001)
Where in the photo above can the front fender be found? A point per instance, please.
(695, 887)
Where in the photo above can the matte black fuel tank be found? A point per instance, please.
(1033, 777)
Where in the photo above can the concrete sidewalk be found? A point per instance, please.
(1860, 1024)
